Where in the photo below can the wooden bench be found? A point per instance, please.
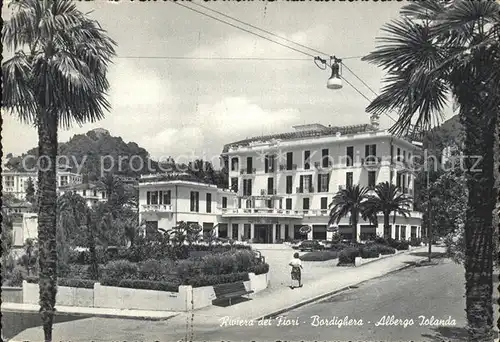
(231, 290)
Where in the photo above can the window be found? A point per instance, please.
(413, 232)
(289, 160)
(305, 203)
(277, 236)
(209, 203)
(324, 202)
(234, 233)
(270, 186)
(370, 150)
(287, 233)
(409, 157)
(9, 180)
(84, 193)
(248, 203)
(403, 232)
(234, 184)
(269, 163)
(246, 230)
(398, 154)
(305, 184)
(247, 187)
(281, 203)
(234, 164)
(222, 231)
(397, 233)
(270, 204)
(404, 155)
(224, 202)
(152, 197)
(307, 156)
(95, 193)
(167, 197)
(372, 176)
(289, 182)
(249, 164)
(195, 201)
(64, 180)
(323, 182)
(325, 158)
(349, 156)
(348, 179)
(288, 204)
(398, 179)
(392, 154)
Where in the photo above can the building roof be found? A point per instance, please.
(318, 131)
(83, 186)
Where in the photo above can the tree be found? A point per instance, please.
(30, 191)
(349, 202)
(436, 48)
(387, 199)
(56, 76)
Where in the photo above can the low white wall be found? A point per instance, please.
(126, 298)
(112, 297)
(66, 296)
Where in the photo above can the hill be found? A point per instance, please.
(94, 151)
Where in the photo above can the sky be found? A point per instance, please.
(192, 107)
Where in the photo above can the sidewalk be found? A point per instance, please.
(268, 303)
(95, 312)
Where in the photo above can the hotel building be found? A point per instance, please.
(279, 183)
(16, 182)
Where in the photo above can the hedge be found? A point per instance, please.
(320, 256)
(369, 252)
(348, 256)
(70, 282)
(415, 242)
(259, 269)
(208, 280)
(143, 284)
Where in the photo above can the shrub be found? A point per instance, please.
(143, 284)
(156, 270)
(83, 257)
(208, 280)
(260, 269)
(348, 256)
(187, 268)
(320, 256)
(385, 250)
(369, 252)
(381, 241)
(244, 259)
(416, 242)
(403, 245)
(338, 247)
(16, 276)
(75, 282)
(120, 269)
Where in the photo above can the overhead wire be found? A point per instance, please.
(284, 45)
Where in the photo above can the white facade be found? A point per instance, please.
(15, 182)
(91, 193)
(273, 199)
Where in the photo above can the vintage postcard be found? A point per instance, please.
(261, 170)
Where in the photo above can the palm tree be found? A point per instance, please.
(387, 199)
(57, 76)
(349, 201)
(437, 48)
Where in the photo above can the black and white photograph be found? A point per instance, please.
(250, 170)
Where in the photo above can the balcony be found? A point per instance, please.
(371, 162)
(247, 171)
(306, 190)
(160, 208)
(261, 212)
(270, 169)
(320, 166)
(317, 212)
(268, 192)
(284, 167)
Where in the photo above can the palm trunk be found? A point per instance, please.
(479, 127)
(387, 225)
(47, 150)
(354, 223)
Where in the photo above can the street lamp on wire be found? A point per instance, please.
(334, 82)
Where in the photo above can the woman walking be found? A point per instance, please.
(296, 269)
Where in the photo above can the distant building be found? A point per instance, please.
(24, 226)
(16, 182)
(91, 193)
(18, 207)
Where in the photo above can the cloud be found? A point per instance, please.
(203, 134)
(249, 46)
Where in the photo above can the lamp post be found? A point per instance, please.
(335, 81)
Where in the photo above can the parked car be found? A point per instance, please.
(310, 245)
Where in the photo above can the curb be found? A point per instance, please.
(98, 315)
(328, 294)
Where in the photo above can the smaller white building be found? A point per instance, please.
(90, 192)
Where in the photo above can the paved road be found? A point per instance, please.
(428, 291)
